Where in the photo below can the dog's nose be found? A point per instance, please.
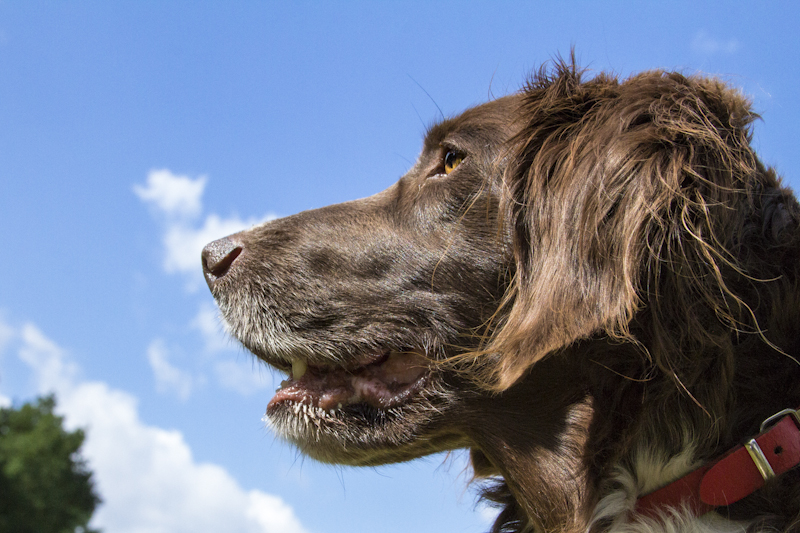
(218, 256)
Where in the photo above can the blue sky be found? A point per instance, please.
(131, 133)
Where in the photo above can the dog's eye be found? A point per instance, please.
(451, 160)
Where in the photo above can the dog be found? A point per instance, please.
(591, 284)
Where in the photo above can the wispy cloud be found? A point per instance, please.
(173, 195)
(211, 328)
(54, 369)
(244, 377)
(184, 241)
(705, 44)
(169, 378)
(6, 334)
(146, 475)
(177, 202)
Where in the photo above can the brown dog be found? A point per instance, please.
(593, 285)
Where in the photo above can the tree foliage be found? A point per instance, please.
(45, 485)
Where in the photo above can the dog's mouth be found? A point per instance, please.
(383, 381)
(382, 408)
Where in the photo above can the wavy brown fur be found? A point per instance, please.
(652, 244)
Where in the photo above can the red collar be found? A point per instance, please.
(742, 471)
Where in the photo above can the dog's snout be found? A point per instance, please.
(218, 256)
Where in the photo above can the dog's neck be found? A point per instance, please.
(572, 459)
(534, 435)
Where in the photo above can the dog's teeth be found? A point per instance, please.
(299, 368)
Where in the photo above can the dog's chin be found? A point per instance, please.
(385, 408)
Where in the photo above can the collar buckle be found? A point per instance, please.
(756, 454)
(739, 473)
(774, 419)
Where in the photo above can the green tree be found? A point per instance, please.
(45, 485)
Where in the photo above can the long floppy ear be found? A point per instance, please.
(610, 186)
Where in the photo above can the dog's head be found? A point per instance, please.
(357, 301)
(629, 212)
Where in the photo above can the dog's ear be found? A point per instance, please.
(616, 196)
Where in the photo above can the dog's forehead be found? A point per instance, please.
(497, 111)
(495, 119)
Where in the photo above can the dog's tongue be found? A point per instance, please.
(382, 385)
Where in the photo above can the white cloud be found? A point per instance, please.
(186, 230)
(172, 194)
(54, 370)
(243, 377)
(169, 378)
(705, 44)
(6, 334)
(183, 242)
(150, 481)
(146, 475)
(179, 200)
(270, 512)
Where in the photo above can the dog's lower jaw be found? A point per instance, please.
(362, 435)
